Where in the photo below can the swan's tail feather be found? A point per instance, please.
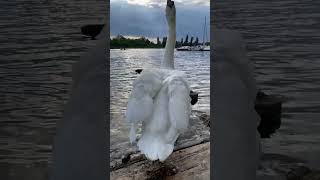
(155, 148)
(166, 150)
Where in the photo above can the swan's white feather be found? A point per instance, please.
(179, 102)
(140, 104)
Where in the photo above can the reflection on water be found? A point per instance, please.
(39, 43)
(123, 65)
(283, 40)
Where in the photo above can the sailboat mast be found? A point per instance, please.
(204, 29)
(205, 26)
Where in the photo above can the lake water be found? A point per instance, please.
(196, 66)
(283, 40)
(39, 43)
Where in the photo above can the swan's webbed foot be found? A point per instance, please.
(160, 170)
(126, 158)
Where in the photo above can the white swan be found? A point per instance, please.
(236, 140)
(160, 100)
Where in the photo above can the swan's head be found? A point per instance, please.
(170, 12)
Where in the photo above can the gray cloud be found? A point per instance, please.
(162, 3)
(137, 20)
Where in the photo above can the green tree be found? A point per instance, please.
(177, 44)
(196, 42)
(122, 42)
(148, 42)
(186, 41)
(164, 41)
(191, 40)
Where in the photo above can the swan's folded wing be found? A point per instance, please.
(179, 103)
(140, 105)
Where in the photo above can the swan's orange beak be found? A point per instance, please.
(170, 3)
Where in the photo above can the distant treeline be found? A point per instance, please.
(122, 42)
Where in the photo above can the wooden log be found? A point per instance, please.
(191, 159)
(194, 163)
(188, 163)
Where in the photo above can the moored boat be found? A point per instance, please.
(184, 48)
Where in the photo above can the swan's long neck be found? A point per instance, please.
(168, 61)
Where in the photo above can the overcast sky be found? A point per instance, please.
(147, 18)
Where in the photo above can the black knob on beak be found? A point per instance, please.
(170, 3)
